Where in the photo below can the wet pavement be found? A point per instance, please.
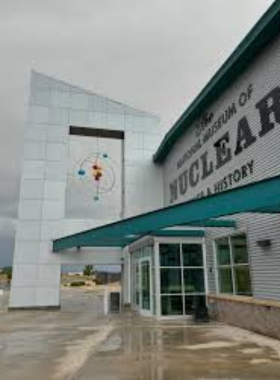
(52, 345)
(80, 343)
(138, 349)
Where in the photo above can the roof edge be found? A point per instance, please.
(93, 93)
(263, 32)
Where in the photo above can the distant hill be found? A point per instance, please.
(98, 268)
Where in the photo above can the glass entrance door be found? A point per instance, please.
(145, 287)
(136, 286)
(182, 277)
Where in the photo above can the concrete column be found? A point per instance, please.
(35, 285)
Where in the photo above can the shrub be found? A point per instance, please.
(77, 283)
(8, 272)
(88, 270)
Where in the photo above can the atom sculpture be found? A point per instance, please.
(98, 172)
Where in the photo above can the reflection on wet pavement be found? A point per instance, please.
(140, 349)
(51, 345)
(80, 343)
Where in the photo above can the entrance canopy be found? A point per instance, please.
(262, 196)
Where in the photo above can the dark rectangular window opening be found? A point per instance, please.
(96, 132)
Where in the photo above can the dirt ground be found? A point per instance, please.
(80, 343)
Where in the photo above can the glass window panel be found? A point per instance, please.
(169, 255)
(194, 280)
(189, 305)
(243, 280)
(145, 282)
(192, 255)
(171, 280)
(223, 251)
(225, 278)
(137, 285)
(239, 249)
(172, 305)
(191, 301)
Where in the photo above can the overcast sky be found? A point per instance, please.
(155, 55)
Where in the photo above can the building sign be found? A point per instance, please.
(197, 165)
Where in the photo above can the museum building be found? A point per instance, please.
(191, 216)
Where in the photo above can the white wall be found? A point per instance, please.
(262, 76)
(53, 107)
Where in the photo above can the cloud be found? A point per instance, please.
(7, 237)
(153, 54)
(7, 226)
(6, 250)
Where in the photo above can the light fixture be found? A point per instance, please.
(264, 243)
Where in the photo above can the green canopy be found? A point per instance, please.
(262, 196)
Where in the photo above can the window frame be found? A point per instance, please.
(183, 293)
(232, 264)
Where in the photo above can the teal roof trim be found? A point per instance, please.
(120, 242)
(180, 233)
(225, 223)
(263, 195)
(266, 29)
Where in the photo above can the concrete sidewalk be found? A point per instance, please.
(52, 345)
(138, 349)
(81, 343)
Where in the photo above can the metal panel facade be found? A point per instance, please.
(236, 142)
(53, 108)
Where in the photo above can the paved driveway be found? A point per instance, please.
(80, 343)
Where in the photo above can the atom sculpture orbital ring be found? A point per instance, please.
(98, 172)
